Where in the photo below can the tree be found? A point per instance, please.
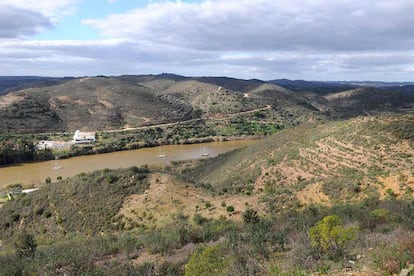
(25, 245)
(330, 237)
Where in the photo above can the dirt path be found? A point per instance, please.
(227, 116)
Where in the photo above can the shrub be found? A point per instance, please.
(250, 216)
(330, 237)
(392, 258)
(199, 219)
(25, 245)
(210, 260)
(230, 209)
(111, 178)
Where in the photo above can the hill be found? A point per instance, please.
(327, 163)
(367, 101)
(257, 210)
(318, 87)
(103, 103)
(88, 103)
(8, 84)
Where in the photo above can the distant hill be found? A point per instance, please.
(317, 87)
(99, 103)
(368, 101)
(8, 84)
(88, 103)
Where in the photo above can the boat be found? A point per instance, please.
(161, 154)
(205, 153)
(56, 166)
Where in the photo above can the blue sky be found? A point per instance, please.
(265, 39)
(71, 27)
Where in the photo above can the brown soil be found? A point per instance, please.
(9, 99)
(313, 194)
(167, 194)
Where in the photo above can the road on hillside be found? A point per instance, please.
(227, 116)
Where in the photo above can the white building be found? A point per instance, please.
(84, 137)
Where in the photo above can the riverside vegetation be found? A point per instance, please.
(317, 196)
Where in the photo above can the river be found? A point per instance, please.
(36, 173)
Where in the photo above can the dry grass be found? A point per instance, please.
(168, 195)
(9, 99)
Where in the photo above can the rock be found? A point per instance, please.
(406, 271)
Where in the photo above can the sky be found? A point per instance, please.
(263, 39)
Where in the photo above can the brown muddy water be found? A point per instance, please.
(36, 173)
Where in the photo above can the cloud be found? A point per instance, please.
(116, 57)
(266, 39)
(343, 25)
(23, 18)
(53, 9)
(16, 22)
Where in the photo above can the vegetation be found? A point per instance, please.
(330, 237)
(21, 149)
(316, 196)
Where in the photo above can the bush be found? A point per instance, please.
(250, 216)
(230, 209)
(392, 258)
(111, 178)
(330, 237)
(25, 245)
(199, 219)
(210, 260)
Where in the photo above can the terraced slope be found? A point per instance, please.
(326, 163)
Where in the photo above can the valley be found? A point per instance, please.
(325, 187)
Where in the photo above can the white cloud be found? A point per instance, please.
(268, 24)
(266, 39)
(54, 9)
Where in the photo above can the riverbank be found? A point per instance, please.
(80, 150)
(34, 174)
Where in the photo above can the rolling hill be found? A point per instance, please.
(102, 103)
(88, 103)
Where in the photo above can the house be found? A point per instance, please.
(84, 137)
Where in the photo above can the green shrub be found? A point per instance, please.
(209, 260)
(111, 178)
(25, 245)
(330, 237)
(199, 219)
(250, 216)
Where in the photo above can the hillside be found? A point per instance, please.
(8, 84)
(368, 101)
(256, 210)
(326, 163)
(106, 103)
(88, 103)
